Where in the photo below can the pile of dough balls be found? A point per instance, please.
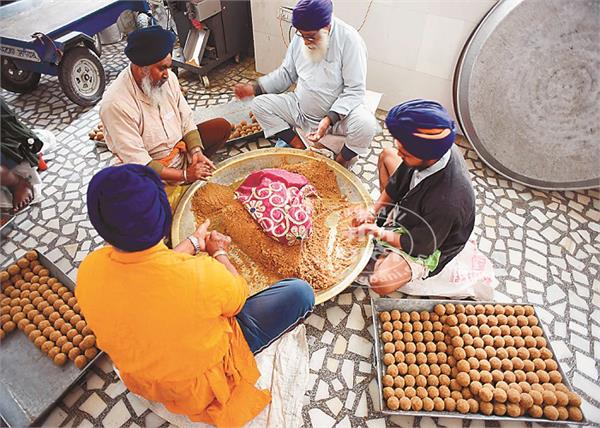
(97, 134)
(46, 311)
(473, 358)
(243, 129)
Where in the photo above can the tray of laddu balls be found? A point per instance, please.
(46, 344)
(478, 360)
(244, 125)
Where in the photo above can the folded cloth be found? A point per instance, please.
(278, 201)
(284, 371)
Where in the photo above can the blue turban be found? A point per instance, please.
(411, 124)
(311, 15)
(128, 206)
(149, 45)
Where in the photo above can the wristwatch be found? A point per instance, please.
(195, 243)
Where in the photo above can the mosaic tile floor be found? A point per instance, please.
(544, 246)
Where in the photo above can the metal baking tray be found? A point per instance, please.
(407, 305)
(8, 219)
(233, 111)
(7, 225)
(30, 383)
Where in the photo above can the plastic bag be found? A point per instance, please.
(469, 274)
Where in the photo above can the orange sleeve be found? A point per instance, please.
(231, 290)
(237, 293)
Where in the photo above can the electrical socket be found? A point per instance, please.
(285, 14)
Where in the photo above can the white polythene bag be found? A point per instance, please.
(469, 274)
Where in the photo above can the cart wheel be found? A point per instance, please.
(16, 80)
(81, 76)
(205, 81)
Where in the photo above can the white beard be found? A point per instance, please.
(155, 93)
(318, 52)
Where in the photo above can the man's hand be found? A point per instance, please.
(199, 157)
(362, 216)
(363, 230)
(201, 233)
(324, 125)
(216, 241)
(198, 171)
(201, 167)
(242, 90)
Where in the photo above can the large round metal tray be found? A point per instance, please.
(238, 167)
(527, 92)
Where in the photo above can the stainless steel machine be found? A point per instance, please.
(210, 32)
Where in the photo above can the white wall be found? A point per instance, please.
(413, 44)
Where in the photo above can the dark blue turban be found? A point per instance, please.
(312, 15)
(412, 123)
(128, 206)
(149, 45)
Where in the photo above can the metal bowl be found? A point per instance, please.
(238, 167)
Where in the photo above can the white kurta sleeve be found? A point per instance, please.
(281, 79)
(354, 74)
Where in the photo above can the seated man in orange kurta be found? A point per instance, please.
(180, 329)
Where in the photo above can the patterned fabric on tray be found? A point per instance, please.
(279, 202)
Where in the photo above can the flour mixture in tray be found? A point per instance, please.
(320, 260)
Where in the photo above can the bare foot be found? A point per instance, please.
(22, 194)
(297, 143)
(340, 159)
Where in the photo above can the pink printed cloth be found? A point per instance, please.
(278, 201)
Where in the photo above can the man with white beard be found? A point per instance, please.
(327, 59)
(147, 120)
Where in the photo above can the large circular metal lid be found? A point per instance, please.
(527, 92)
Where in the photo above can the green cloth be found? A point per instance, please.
(430, 262)
(156, 166)
(192, 140)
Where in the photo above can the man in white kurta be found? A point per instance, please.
(327, 60)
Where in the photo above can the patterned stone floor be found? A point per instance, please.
(544, 246)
